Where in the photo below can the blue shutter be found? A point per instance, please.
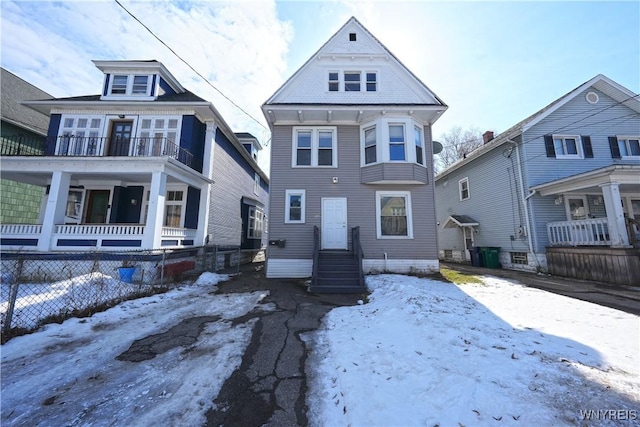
(615, 150)
(586, 146)
(548, 145)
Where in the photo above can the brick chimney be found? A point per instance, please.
(487, 136)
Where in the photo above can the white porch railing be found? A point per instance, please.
(178, 232)
(97, 232)
(100, 229)
(22, 230)
(586, 232)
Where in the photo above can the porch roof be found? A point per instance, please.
(460, 221)
(627, 176)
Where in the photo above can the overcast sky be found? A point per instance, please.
(492, 63)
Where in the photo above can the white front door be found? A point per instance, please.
(334, 223)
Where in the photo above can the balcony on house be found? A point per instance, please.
(95, 146)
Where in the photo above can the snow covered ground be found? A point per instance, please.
(423, 352)
(419, 352)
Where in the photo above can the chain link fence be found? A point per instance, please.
(41, 288)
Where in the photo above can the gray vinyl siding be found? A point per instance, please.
(577, 117)
(361, 201)
(494, 196)
(232, 182)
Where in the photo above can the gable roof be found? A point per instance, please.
(600, 82)
(304, 96)
(14, 90)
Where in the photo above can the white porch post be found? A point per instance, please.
(209, 145)
(615, 214)
(153, 230)
(55, 208)
(203, 215)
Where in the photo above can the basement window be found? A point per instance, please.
(519, 258)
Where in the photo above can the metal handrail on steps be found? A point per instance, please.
(357, 253)
(316, 255)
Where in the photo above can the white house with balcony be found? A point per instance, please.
(558, 192)
(143, 165)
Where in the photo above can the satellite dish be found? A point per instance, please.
(437, 147)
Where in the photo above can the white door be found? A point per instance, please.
(334, 223)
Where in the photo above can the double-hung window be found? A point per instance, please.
(119, 85)
(370, 145)
(372, 82)
(629, 146)
(393, 212)
(567, 147)
(314, 147)
(463, 187)
(334, 81)
(352, 81)
(140, 85)
(417, 136)
(294, 206)
(397, 143)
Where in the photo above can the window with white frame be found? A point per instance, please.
(463, 187)
(629, 146)
(174, 203)
(386, 140)
(294, 207)
(567, 147)
(79, 136)
(334, 81)
(256, 183)
(393, 212)
(417, 137)
(130, 84)
(173, 209)
(397, 151)
(370, 145)
(372, 81)
(352, 81)
(255, 225)
(158, 136)
(314, 147)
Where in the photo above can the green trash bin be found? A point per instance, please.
(490, 257)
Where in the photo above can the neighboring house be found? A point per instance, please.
(557, 192)
(20, 202)
(351, 156)
(145, 164)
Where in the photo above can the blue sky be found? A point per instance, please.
(492, 63)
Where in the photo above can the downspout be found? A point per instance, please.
(524, 201)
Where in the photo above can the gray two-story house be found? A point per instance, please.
(351, 164)
(558, 192)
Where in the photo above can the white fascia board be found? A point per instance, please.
(620, 174)
(109, 67)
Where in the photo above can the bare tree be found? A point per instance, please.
(457, 143)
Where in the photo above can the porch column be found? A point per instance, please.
(55, 208)
(209, 144)
(615, 214)
(203, 215)
(155, 216)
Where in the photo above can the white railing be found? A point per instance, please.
(586, 232)
(100, 229)
(178, 232)
(20, 229)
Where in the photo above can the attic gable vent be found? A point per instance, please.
(592, 98)
(352, 37)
